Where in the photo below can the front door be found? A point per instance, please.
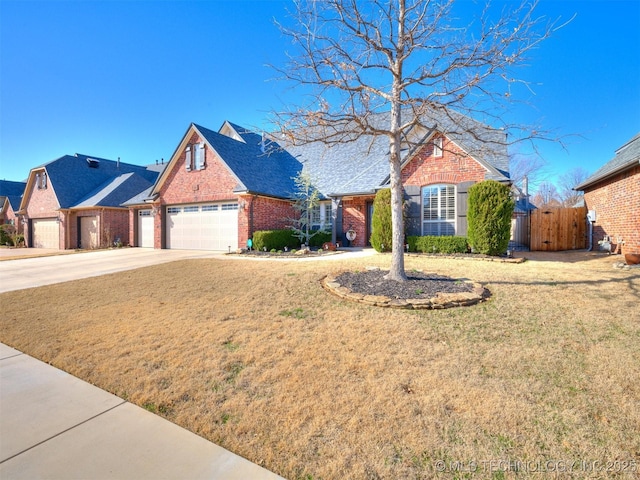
(369, 223)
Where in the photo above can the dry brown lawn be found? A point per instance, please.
(256, 357)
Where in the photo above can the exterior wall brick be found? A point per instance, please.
(354, 215)
(453, 167)
(616, 202)
(262, 213)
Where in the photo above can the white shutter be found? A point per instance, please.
(201, 156)
(187, 161)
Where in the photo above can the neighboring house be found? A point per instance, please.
(220, 187)
(10, 197)
(75, 201)
(613, 195)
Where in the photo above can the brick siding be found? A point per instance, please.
(453, 167)
(616, 202)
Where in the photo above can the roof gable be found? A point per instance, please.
(259, 165)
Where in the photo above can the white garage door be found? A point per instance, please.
(203, 227)
(145, 229)
(45, 233)
(88, 232)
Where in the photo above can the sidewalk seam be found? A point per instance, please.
(62, 432)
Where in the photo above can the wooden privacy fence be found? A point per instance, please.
(555, 229)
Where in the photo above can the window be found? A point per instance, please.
(439, 210)
(193, 208)
(174, 209)
(210, 208)
(195, 157)
(144, 213)
(321, 216)
(437, 147)
(229, 206)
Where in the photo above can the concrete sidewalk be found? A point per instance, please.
(55, 426)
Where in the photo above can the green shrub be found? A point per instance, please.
(382, 230)
(489, 217)
(5, 237)
(274, 239)
(319, 238)
(433, 244)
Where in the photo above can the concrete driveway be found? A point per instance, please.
(36, 272)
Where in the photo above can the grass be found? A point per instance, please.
(268, 365)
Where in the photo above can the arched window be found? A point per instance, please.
(439, 210)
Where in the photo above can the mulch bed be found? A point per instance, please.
(418, 285)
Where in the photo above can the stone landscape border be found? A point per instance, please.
(440, 301)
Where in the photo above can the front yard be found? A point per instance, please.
(257, 357)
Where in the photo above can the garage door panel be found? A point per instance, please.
(46, 233)
(203, 227)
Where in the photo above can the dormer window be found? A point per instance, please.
(195, 158)
(437, 147)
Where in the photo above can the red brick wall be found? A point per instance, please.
(453, 167)
(354, 216)
(617, 205)
(211, 184)
(262, 213)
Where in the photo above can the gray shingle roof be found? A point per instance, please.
(13, 191)
(115, 191)
(269, 172)
(626, 156)
(75, 181)
(362, 165)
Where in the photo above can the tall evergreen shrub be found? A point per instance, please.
(382, 231)
(490, 207)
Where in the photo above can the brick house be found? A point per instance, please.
(10, 197)
(217, 189)
(220, 187)
(613, 194)
(75, 201)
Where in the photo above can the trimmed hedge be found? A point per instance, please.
(274, 239)
(319, 238)
(434, 244)
(278, 239)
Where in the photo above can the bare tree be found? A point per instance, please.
(567, 182)
(530, 166)
(411, 59)
(547, 196)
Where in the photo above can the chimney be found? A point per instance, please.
(118, 164)
(525, 186)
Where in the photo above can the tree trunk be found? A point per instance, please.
(396, 271)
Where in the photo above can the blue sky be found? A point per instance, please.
(125, 79)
